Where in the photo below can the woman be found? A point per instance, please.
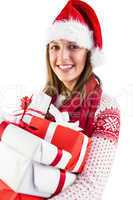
(74, 44)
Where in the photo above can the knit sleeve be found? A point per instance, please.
(91, 183)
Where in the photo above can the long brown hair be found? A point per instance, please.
(54, 85)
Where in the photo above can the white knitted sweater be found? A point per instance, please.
(91, 183)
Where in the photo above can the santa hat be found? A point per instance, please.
(78, 22)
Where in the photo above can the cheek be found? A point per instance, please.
(81, 60)
(52, 59)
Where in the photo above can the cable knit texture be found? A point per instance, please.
(90, 184)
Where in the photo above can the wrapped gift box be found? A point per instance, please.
(37, 105)
(33, 147)
(26, 177)
(74, 142)
(68, 147)
(62, 133)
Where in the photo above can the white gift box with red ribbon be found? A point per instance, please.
(33, 147)
(22, 151)
(19, 172)
(38, 107)
(74, 142)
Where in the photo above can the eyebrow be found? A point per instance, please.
(54, 42)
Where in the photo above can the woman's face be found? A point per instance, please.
(67, 60)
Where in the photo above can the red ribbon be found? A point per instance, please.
(57, 158)
(3, 125)
(61, 183)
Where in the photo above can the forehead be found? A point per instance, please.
(62, 41)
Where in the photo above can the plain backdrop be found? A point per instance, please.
(22, 67)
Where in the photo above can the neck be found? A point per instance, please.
(69, 85)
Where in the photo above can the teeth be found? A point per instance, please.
(65, 66)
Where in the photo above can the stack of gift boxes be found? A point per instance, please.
(39, 157)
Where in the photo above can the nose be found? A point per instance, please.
(63, 56)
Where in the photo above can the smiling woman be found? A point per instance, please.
(75, 111)
(67, 60)
(73, 61)
(74, 46)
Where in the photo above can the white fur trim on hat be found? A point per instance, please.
(97, 57)
(71, 30)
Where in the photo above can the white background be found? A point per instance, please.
(22, 67)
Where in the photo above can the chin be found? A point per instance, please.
(66, 80)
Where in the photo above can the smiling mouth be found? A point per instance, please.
(65, 67)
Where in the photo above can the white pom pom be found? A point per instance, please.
(97, 57)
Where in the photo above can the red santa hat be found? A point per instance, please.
(78, 22)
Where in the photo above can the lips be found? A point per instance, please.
(65, 67)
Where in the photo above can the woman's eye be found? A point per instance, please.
(54, 47)
(74, 47)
